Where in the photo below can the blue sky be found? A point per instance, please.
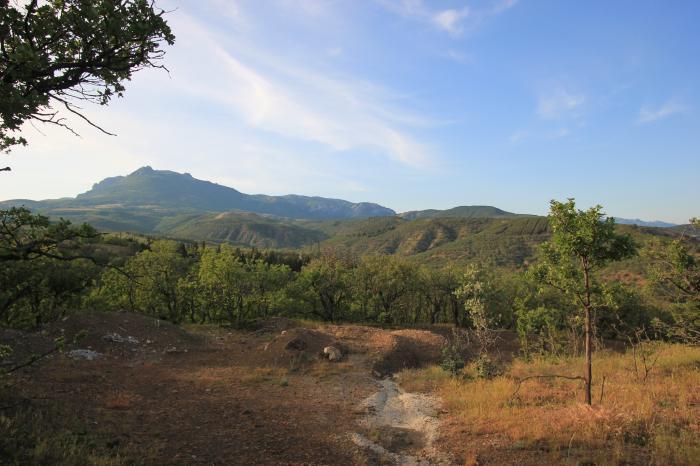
(412, 104)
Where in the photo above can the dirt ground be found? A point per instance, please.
(213, 396)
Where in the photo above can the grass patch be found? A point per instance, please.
(34, 434)
(653, 420)
(323, 369)
(260, 375)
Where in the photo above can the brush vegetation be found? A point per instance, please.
(635, 419)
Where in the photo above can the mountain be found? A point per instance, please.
(163, 192)
(174, 205)
(644, 223)
(473, 211)
(168, 189)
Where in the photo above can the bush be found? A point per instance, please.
(453, 354)
(485, 367)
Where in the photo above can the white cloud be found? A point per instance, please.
(502, 6)
(454, 21)
(308, 7)
(558, 103)
(292, 100)
(451, 20)
(647, 115)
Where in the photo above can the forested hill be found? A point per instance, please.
(473, 211)
(174, 205)
(149, 189)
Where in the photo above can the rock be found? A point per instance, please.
(90, 355)
(116, 338)
(333, 353)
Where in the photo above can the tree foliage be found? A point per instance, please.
(59, 53)
(582, 243)
(43, 265)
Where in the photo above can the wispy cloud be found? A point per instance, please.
(454, 21)
(451, 20)
(292, 100)
(457, 56)
(559, 102)
(670, 108)
(502, 6)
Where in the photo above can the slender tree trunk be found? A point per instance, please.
(589, 346)
(589, 356)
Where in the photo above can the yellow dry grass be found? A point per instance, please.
(654, 420)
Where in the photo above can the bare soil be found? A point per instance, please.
(215, 396)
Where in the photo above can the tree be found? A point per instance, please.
(582, 242)
(58, 53)
(42, 264)
(225, 284)
(439, 286)
(675, 273)
(324, 284)
(475, 292)
(386, 280)
(676, 269)
(150, 282)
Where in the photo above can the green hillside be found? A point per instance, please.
(439, 240)
(175, 205)
(240, 228)
(473, 211)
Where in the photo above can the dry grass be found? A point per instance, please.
(47, 433)
(323, 369)
(653, 421)
(259, 375)
(121, 399)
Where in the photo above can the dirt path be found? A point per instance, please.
(401, 426)
(222, 397)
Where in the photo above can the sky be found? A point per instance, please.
(412, 104)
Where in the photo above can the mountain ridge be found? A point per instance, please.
(167, 189)
(472, 211)
(644, 223)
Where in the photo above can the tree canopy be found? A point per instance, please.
(582, 242)
(59, 53)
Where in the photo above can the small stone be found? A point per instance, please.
(87, 354)
(333, 353)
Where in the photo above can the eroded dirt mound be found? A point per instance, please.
(122, 334)
(406, 352)
(300, 344)
(391, 350)
(272, 324)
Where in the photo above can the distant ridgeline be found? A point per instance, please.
(175, 205)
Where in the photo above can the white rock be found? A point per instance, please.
(333, 353)
(90, 355)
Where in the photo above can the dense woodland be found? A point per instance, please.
(51, 268)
